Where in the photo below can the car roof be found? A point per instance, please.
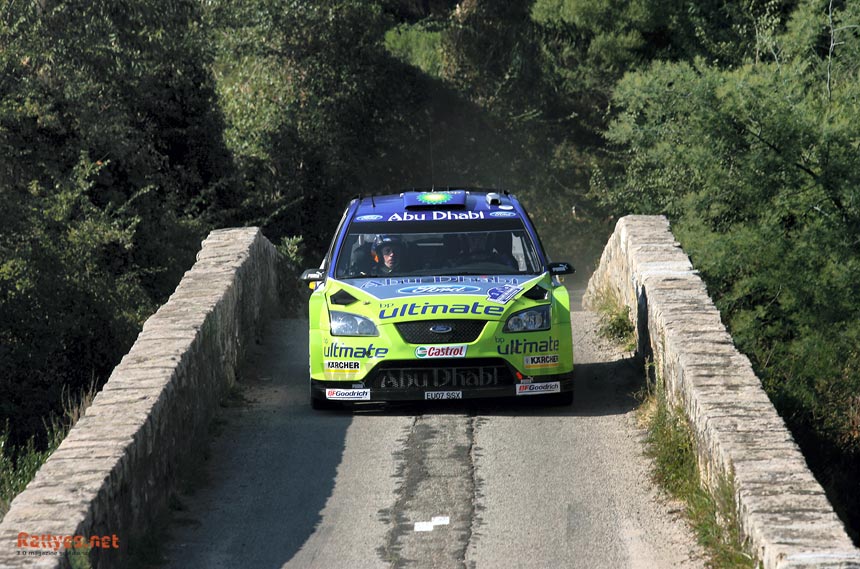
(489, 203)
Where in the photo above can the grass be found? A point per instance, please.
(417, 45)
(18, 466)
(671, 446)
(615, 324)
(713, 515)
(79, 558)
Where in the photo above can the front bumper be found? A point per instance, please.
(409, 380)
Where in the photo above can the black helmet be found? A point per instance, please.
(381, 240)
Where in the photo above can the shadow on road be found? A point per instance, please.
(274, 466)
(271, 469)
(603, 388)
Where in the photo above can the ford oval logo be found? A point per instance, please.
(440, 329)
(439, 289)
(502, 214)
(369, 217)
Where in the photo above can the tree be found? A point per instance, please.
(758, 169)
(109, 136)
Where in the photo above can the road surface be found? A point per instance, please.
(452, 485)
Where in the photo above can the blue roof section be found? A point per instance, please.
(435, 206)
(378, 211)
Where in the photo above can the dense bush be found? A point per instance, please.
(109, 135)
(757, 166)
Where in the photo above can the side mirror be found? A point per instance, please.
(561, 269)
(312, 275)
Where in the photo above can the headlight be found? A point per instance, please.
(345, 324)
(530, 320)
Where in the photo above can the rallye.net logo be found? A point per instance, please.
(441, 351)
(47, 542)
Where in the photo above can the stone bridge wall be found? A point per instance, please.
(115, 470)
(739, 436)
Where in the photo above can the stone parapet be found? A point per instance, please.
(115, 470)
(739, 436)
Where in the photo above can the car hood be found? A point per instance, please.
(495, 288)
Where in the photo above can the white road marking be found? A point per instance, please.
(435, 521)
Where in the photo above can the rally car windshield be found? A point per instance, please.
(458, 252)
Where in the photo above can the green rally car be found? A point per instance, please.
(431, 295)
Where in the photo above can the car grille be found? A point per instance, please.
(420, 332)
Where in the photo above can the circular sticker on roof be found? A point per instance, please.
(502, 214)
(434, 198)
(439, 289)
(369, 217)
(506, 207)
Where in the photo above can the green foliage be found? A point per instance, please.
(108, 137)
(19, 465)
(417, 46)
(312, 101)
(17, 468)
(615, 321)
(711, 512)
(79, 558)
(671, 444)
(295, 294)
(291, 249)
(489, 52)
(757, 166)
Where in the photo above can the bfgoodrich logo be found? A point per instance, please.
(535, 388)
(348, 394)
(441, 351)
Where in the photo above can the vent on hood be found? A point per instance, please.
(537, 292)
(342, 298)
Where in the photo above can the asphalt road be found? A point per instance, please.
(444, 485)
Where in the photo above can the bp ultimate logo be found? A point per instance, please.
(528, 346)
(439, 289)
(415, 309)
(340, 351)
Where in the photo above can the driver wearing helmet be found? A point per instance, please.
(386, 252)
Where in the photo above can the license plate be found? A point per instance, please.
(443, 395)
